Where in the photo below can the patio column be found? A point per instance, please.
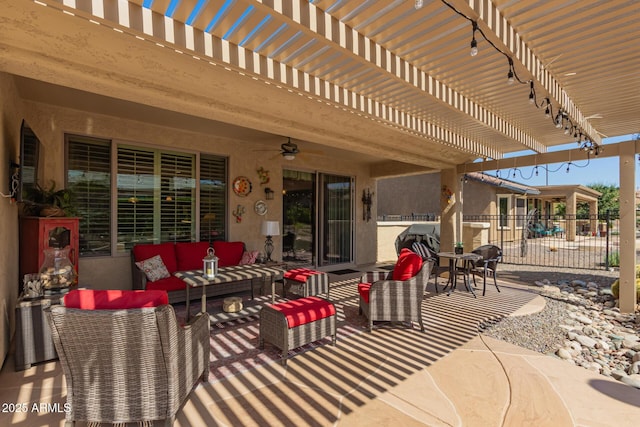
(451, 209)
(627, 228)
(571, 213)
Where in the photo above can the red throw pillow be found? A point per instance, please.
(408, 265)
(228, 253)
(190, 255)
(88, 299)
(166, 251)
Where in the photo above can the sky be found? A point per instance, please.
(597, 171)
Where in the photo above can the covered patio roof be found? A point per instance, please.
(385, 80)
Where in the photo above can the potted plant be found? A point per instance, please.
(459, 249)
(48, 202)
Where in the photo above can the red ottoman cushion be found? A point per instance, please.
(305, 310)
(363, 290)
(88, 299)
(300, 274)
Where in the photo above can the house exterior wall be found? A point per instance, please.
(11, 109)
(50, 123)
(419, 194)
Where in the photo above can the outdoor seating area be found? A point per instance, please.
(447, 375)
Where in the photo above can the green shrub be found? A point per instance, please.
(614, 259)
(615, 288)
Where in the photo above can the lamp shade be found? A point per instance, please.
(270, 228)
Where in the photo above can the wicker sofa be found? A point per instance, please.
(125, 357)
(184, 256)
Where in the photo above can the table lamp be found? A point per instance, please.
(269, 229)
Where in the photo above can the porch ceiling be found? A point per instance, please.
(375, 77)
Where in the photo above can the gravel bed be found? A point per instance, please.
(539, 332)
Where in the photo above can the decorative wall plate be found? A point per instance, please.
(260, 207)
(242, 186)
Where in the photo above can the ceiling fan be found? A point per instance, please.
(289, 150)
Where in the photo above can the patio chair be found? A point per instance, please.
(395, 296)
(125, 357)
(428, 255)
(491, 256)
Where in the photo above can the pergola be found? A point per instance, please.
(384, 79)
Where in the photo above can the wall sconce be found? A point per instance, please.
(367, 201)
(268, 193)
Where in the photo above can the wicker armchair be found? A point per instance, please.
(491, 256)
(128, 365)
(394, 300)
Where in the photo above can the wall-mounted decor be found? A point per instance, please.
(242, 186)
(238, 212)
(367, 201)
(263, 175)
(447, 194)
(260, 207)
(268, 193)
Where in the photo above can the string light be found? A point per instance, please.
(561, 120)
(418, 4)
(474, 43)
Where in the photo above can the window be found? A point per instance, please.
(155, 195)
(89, 177)
(521, 212)
(213, 191)
(503, 210)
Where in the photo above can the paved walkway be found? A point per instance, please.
(449, 376)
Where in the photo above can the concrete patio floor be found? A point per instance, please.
(449, 376)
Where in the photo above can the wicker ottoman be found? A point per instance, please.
(295, 323)
(306, 282)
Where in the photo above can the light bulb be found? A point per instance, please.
(418, 4)
(510, 78)
(474, 47)
(568, 167)
(566, 130)
(532, 98)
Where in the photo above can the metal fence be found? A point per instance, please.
(588, 242)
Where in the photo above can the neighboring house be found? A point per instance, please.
(485, 198)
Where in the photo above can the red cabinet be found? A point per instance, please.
(38, 234)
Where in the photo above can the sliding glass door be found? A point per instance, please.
(318, 223)
(336, 221)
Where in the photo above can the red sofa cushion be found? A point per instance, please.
(166, 251)
(228, 253)
(305, 310)
(300, 274)
(363, 290)
(189, 255)
(408, 265)
(169, 284)
(88, 299)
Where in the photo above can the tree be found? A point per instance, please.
(610, 199)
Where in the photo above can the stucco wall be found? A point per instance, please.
(419, 194)
(50, 123)
(10, 119)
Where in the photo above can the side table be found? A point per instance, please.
(33, 335)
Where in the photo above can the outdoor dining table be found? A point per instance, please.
(467, 259)
(226, 276)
